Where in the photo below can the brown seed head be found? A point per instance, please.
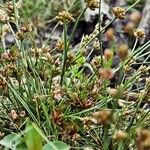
(120, 135)
(95, 62)
(106, 74)
(123, 51)
(129, 28)
(143, 139)
(110, 34)
(57, 117)
(108, 54)
(5, 56)
(64, 16)
(135, 17)
(92, 4)
(102, 116)
(27, 28)
(60, 45)
(139, 33)
(119, 12)
(96, 45)
(9, 6)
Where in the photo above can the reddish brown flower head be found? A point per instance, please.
(106, 74)
(108, 54)
(110, 34)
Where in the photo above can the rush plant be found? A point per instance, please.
(51, 95)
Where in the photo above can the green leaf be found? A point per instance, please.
(10, 141)
(58, 146)
(32, 138)
(21, 146)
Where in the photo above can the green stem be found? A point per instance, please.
(100, 34)
(134, 115)
(134, 46)
(46, 42)
(64, 55)
(132, 5)
(76, 24)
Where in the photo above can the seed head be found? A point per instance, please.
(123, 51)
(102, 116)
(129, 28)
(3, 16)
(139, 33)
(26, 29)
(96, 44)
(92, 4)
(120, 135)
(60, 45)
(5, 29)
(143, 139)
(110, 34)
(106, 74)
(119, 12)
(64, 16)
(135, 17)
(108, 54)
(57, 117)
(9, 6)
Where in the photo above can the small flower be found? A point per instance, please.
(120, 135)
(64, 16)
(3, 16)
(119, 12)
(92, 4)
(139, 33)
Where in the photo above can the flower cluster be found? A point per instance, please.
(64, 16)
(119, 12)
(92, 4)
